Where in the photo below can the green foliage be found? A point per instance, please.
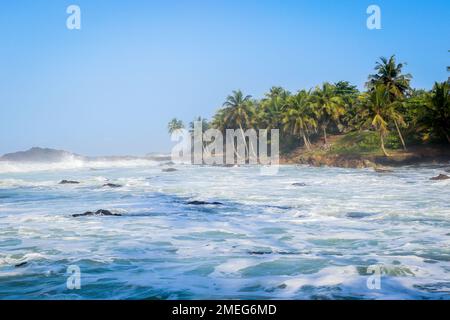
(357, 142)
(175, 125)
(389, 115)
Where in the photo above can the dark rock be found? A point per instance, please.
(69, 182)
(382, 170)
(100, 212)
(440, 177)
(299, 184)
(112, 185)
(358, 215)
(203, 203)
(21, 264)
(169, 170)
(260, 253)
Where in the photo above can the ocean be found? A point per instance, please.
(304, 233)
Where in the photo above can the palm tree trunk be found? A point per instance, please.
(309, 142)
(308, 147)
(245, 142)
(400, 135)
(325, 134)
(382, 145)
(447, 136)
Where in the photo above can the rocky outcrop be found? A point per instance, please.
(69, 182)
(203, 203)
(112, 185)
(440, 177)
(100, 212)
(22, 264)
(342, 161)
(383, 170)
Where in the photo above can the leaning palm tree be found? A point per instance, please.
(377, 106)
(175, 125)
(394, 115)
(329, 106)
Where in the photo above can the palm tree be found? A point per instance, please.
(389, 74)
(329, 106)
(394, 115)
(349, 96)
(436, 115)
(175, 125)
(276, 92)
(237, 112)
(270, 112)
(298, 117)
(204, 122)
(377, 105)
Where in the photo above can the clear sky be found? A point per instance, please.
(111, 87)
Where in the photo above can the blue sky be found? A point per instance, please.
(111, 87)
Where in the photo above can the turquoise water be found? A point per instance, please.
(269, 239)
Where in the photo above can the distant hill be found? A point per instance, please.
(39, 155)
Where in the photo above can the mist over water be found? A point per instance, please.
(269, 239)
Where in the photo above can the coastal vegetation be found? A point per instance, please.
(387, 117)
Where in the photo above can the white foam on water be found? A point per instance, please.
(71, 163)
(401, 220)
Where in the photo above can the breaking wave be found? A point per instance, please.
(74, 162)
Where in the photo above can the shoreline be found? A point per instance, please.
(415, 155)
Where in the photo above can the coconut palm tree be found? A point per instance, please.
(238, 111)
(175, 125)
(329, 106)
(436, 115)
(377, 106)
(270, 112)
(389, 73)
(298, 117)
(204, 122)
(349, 95)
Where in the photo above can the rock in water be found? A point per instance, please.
(203, 203)
(21, 264)
(100, 212)
(383, 170)
(69, 182)
(358, 215)
(169, 170)
(112, 185)
(440, 177)
(299, 184)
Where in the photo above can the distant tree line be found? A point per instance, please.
(388, 105)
